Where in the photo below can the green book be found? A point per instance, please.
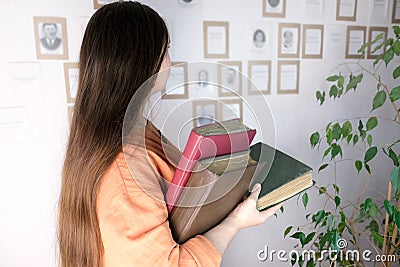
(281, 176)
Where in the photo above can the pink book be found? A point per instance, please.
(204, 142)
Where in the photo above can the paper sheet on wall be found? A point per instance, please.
(73, 76)
(355, 42)
(312, 8)
(346, 8)
(13, 125)
(230, 111)
(259, 75)
(25, 79)
(216, 40)
(379, 9)
(374, 34)
(176, 81)
(288, 77)
(397, 12)
(313, 42)
(335, 40)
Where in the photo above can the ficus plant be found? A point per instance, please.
(372, 221)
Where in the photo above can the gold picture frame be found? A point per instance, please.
(319, 27)
(280, 85)
(229, 76)
(270, 8)
(68, 86)
(394, 19)
(370, 39)
(207, 25)
(165, 94)
(349, 54)
(259, 91)
(51, 37)
(204, 114)
(289, 40)
(345, 18)
(70, 112)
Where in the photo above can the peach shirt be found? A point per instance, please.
(134, 226)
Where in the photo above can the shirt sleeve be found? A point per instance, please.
(135, 229)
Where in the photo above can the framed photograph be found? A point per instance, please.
(346, 10)
(312, 9)
(202, 77)
(204, 112)
(396, 11)
(71, 76)
(216, 39)
(99, 3)
(289, 40)
(259, 73)
(274, 8)
(288, 77)
(230, 78)
(355, 38)
(379, 10)
(230, 109)
(313, 41)
(177, 84)
(373, 32)
(187, 3)
(70, 114)
(335, 41)
(50, 38)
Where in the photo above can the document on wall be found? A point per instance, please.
(335, 40)
(288, 77)
(216, 40)
(25, 79)
(356, 40)
(397, 11)
(379, 9)
(313, 42)
(13, 125)
(347, 8)
(259, 75)
(312, 8)
(176, 81)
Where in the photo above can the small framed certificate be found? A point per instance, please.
(346, 10)
(289, 40)
(355, 38)
(230, 78)
(373, 32)
(313, 41)
(71, 76)
(288, 77)
(204, 112)
(274, 8)
(396, 11)
(177, 84)
(216, 39)
(259, 72)
(230, 109)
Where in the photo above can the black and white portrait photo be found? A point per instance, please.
(274, 8)
(204, 112)
(187, 3)
(51, 38)
(289, 40)
(203, 78)
(230, 78)
(259, 39)
(274, 3)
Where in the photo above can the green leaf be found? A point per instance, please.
(346, 129)
(378, 239)
(341, 227)
(366, 166)
(309, 237)
(336, 188)
(330, 222)
(396, 47)
(373, 226)
(372, 123)
(322, 190)
(342, 216)
(369, 139)
(390, 209)
(355, 139)
(325, 238)
(332, 78)
(395, 178)
(329, 136)
(314, 139)
(337, 201)
(396, 73)
(287, 230)
(395, 94)
(327, 152)
(379, 100)
(293, 258)
(362, 48)
(322, 167)
(397, 220)
(335, 150)
(319, 216)
(336, 131)
(388, 55)
(320, 97)
(333, 92)
(301, 236)
(370, 154)
(393, 156)
(349, 137)
(358, 165)
(335, 238)
(396, 30)
(340, 81)
(305, 200)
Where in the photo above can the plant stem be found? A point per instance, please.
(384, 249)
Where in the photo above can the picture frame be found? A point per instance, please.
(312, 9)
(258, 75)
(396, 11)
(203, 79)
(178, 75)
(71, 77)
(70, 112)
(230, 109)
(204, 112)
(274, 8)
(372, 33)
(99, 3)
(313, 41)
(229, 76)
(216, 39)
(346, 10)
(379, 10)
(355, 38)
(289, 40)
(288, 76)
(51, 37)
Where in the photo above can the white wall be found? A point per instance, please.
(30, 169)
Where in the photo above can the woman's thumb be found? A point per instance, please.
(255, 191)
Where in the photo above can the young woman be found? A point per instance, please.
(105, 217)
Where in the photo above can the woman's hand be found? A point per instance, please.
(246, 213)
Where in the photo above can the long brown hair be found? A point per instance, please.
(124, 44)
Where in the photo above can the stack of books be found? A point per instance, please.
(217, 168)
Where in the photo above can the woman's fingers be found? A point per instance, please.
(271, 211)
